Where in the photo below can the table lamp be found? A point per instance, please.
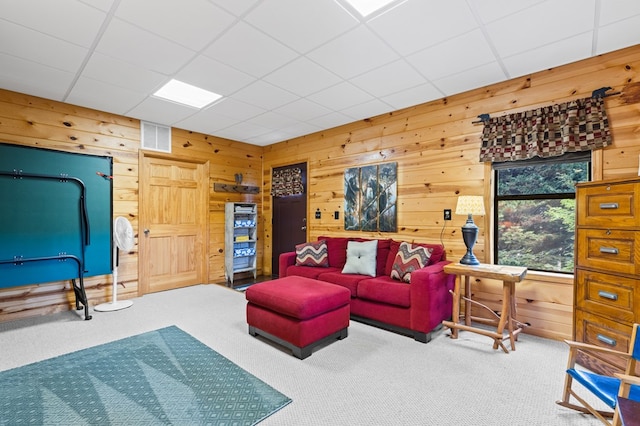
(470, 205)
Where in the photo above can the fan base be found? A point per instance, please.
(109, 307)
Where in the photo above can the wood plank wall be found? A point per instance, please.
(437, 149)
(31, 121)
(435, 144)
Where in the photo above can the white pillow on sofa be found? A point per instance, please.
(361, 258)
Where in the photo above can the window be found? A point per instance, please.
(534, 207)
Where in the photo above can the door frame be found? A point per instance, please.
(143, 284)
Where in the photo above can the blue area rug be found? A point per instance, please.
(160, 377)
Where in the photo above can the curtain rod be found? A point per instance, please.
(598, 93)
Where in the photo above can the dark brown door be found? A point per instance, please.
(289, 219)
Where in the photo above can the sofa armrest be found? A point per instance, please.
(431, 299)
(284, 261)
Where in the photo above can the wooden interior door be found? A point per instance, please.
(173, 223)
(289, 221)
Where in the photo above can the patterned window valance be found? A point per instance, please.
(286, 182)
(574, 126)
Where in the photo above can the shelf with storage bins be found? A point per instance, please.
(241, 226)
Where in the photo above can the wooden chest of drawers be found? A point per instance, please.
(607, 272)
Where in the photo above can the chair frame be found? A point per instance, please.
(626, 380)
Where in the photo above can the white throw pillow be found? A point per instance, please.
(361, 258)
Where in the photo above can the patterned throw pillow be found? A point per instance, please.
(312, 254)
(409, 258)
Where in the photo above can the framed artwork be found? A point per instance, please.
(370, 197)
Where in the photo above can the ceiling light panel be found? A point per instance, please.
(367, 7)
(186, 94)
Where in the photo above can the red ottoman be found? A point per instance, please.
(297, 312)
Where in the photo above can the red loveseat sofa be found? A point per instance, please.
(416, 309)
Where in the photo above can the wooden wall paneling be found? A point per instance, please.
(437, 146)
(226, 158)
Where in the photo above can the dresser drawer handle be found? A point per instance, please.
(609, 250)
(606, 340)
(607, 295)
(608, 206)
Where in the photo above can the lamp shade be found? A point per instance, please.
(470, 204)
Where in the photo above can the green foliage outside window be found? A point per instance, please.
(535, 205)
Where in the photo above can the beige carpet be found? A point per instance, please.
(373, 377)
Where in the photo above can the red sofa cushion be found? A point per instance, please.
(308, 271)
(350, 281)
(336, 250)
(385, 290)
(298, 297)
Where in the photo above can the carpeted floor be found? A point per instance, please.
(371, 377)
(159, 377)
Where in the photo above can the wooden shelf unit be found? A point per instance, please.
(241, 234)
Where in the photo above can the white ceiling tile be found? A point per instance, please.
(618, 35)
(27, 77)
(123, 74)
(104, 5)
(549, 56)
(471, 79)
(149, 51)
(541, 24)
(272, 120)
(246, 129)
(303, 110)
(247, 49)
(103, 96)
(413, 96)
(353, 53)
(340, 96)
(215, 76)
(490, 10)
(270, 138)
(301, 25)
(471, 50)
(22, 42)
(160, 111)
(390, 78)
(206, 121)
(237, 7)
(618, 10)
(265, 95)
(190, 23)
(330, 121)
(299, 129)
(302, 77)
(417, 24)
(367, 109)
(233, 108)
(56, 18)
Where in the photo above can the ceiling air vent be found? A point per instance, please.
(155, 136)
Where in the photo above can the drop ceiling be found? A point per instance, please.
(287, 68)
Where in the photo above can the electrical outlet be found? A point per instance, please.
(447, 214)
(336, 215)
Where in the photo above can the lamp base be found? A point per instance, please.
(469, 259)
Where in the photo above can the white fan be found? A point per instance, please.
(122, 240)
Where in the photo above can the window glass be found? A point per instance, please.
(535, 212)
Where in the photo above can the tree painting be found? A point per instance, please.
(370, 198)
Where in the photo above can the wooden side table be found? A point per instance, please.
(509, 275)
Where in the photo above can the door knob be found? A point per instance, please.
(146, 232)
(304, 228)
